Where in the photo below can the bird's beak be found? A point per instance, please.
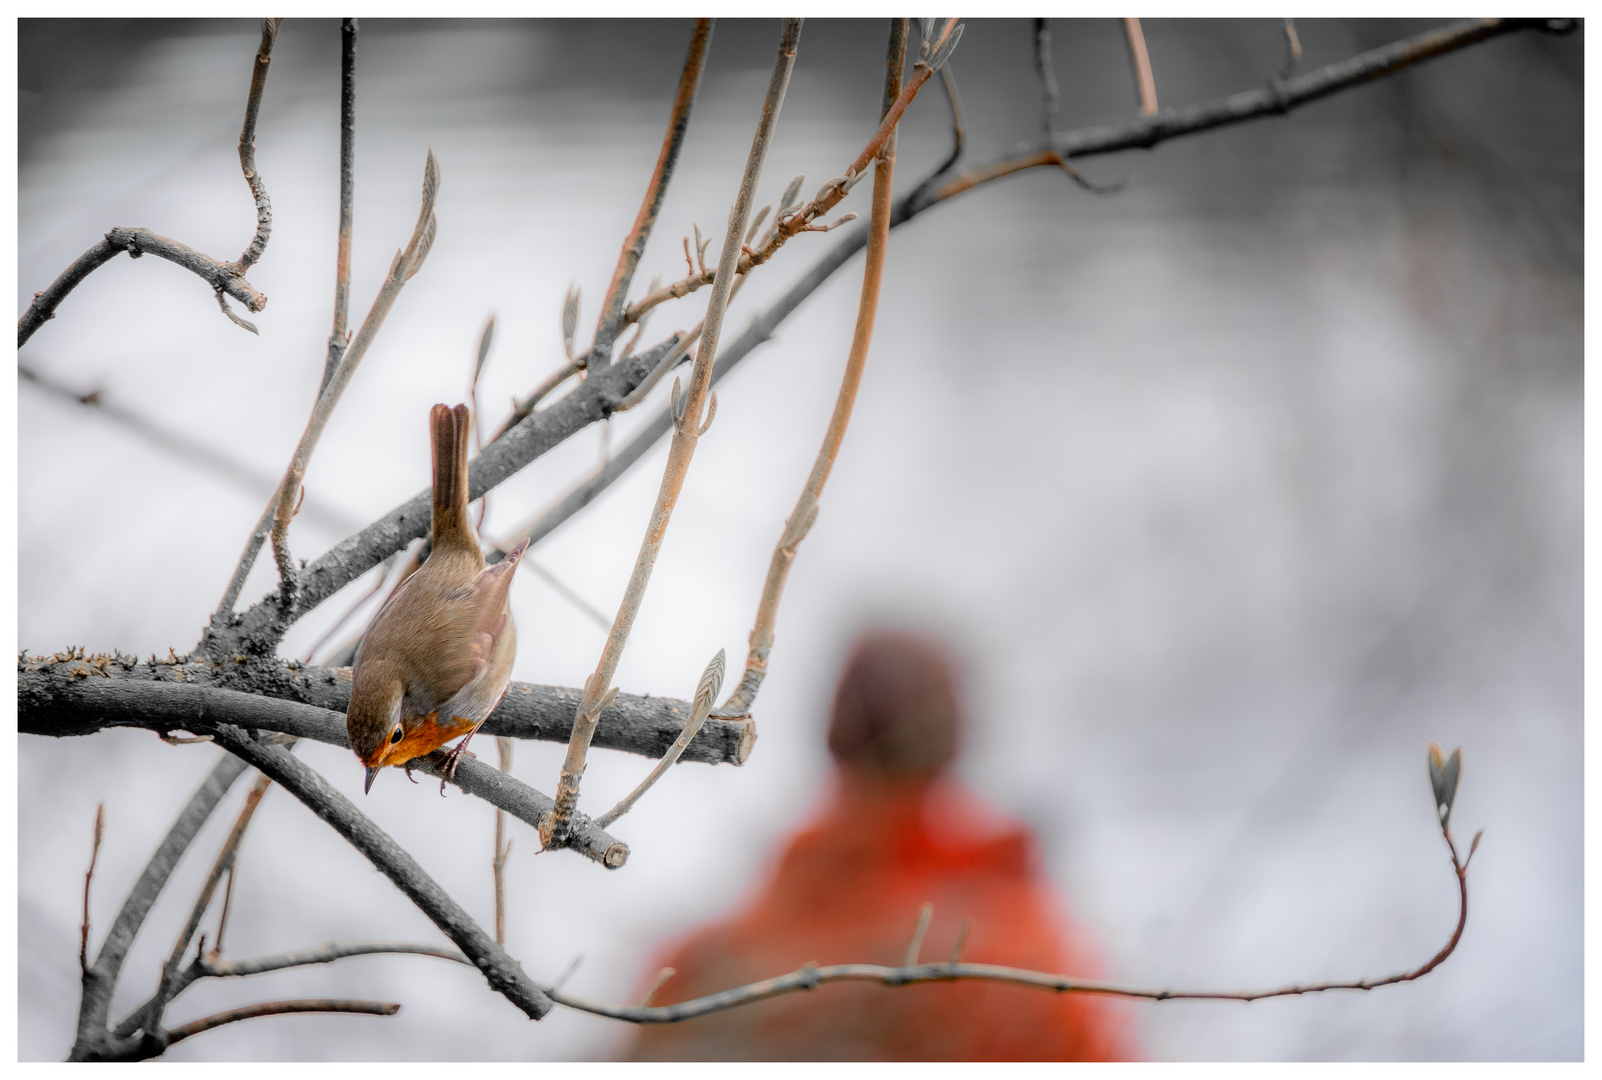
(370, 774)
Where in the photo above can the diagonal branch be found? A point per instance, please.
(247, 148)
(1086, 142)
(597, 688)
(503, 973)
(611, 318)
(401, 270)
(100, 979)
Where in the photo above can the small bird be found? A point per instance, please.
(438, 656)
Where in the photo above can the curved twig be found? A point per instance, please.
(280, 1008)
(598, 691)
(811, 976)
(247, 148)
(806, 506)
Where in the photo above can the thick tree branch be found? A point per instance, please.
(85, 705)
(350, 558)
(634, 723)
(503, 973)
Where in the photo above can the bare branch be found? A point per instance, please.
(706, 693)
(611, 317)
(54, 698)
(88, 878)
(925, 915)
(503, 848)
(339, 336)
(247, 150)
(1140, 61)
(1048, 79)
(958, 131)
(170, 972)
(136, 242)
(223, 277)
(503, 973)
(100, 980)
(279, 1008)
(218, 969)
(806, 506)
(597, 691)
(406, 264)
(88, 704)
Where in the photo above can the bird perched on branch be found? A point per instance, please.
(438, 656)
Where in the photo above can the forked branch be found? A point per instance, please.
(223, 277)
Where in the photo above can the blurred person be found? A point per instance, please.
(896, 831)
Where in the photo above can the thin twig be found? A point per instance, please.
(247, 148)
(806, 507)
(279, 1008)
(340, 335)
(224, 862)
(925, 915)
(503, 847)
(598, 692)
(958, 130)
(100, 980)
(1140, 61)
(656, 984)
(810, 977)
(1293, 50)
(405, 264)
(1048, 79)
(88, 878)
(828, 197)
(222, 277)
(610, 322)
(136, 242)
(706, 693)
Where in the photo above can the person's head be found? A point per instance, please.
(897, 709)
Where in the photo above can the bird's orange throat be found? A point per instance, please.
(427, 736)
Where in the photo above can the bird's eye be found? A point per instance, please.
(396, 737)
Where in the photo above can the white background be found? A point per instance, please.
(1234, 490)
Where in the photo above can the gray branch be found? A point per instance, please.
(633, 723)
(79, 706)
(135, 242)
(503, 973)
(93, 1042)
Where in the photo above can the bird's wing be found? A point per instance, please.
(489, 591)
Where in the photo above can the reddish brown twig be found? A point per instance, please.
(598, 692)
(806, 506)
(94, 857)
(829, 196)
(1140, 61)
(610, 322)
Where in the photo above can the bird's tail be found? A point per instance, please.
(448, 427)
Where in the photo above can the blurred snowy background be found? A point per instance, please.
(1234, 489)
